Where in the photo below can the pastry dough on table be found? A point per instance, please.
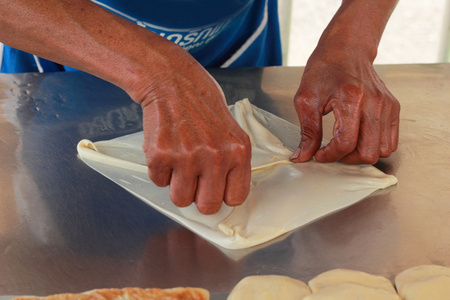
(345, 284)
(303, 192)
(352, 291)
(338, 276)
(424, 282)
(269, 287)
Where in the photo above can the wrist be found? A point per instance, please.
(357, 27)
(344, 44)
(144, 72)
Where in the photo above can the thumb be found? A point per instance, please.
(311, 129)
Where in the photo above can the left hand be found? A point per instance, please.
(366, 114)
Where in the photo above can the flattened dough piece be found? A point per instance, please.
(269, 287)
(338, 276)
(424, 282)
(308, 191)
(352, 291)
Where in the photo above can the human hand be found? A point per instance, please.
(366, 114)
(192, 142)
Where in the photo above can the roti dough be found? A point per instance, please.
(352, 291)
(338, 276)
(269, 287)
(424, 282)
(303, 192)
(435, 288)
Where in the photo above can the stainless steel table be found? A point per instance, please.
(66, 228)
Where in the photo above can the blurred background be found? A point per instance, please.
(418, 31)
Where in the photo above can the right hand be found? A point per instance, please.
(192, 141)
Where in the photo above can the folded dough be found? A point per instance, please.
(269, 287)
(283, 195)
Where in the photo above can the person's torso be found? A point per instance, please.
(207, 29)
(218, 33)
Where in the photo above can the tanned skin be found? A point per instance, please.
(340, 77)
(192, 142)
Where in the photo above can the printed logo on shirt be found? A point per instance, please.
(191, 39)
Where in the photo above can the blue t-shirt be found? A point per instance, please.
(225, 33)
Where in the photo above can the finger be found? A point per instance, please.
(347, 113)
(385, 135)
(368, 146)
(310, 117)
(237, 185)
(183, 187)
(160, 175)
(346, 130)
(395, 128)
(159, 165)
(210, 192)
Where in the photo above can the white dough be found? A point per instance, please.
(430, 288)
(424, 282)
(352, 291)
(269, 287)
(283, 195)
(338, 276)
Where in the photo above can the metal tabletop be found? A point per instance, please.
(66, 228)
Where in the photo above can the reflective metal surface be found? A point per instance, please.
(66, 228)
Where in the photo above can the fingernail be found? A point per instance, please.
(296, 154)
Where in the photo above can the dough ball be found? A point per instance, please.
(269, 287)
(352, 291)
(424, 282)
(436, 288)
(338, 276)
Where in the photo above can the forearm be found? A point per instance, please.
(358, 25)
(85, 36)
(190, 138)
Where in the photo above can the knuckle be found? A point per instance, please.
(158, 178)
(222, 155)
(242, 152)
(376, 116)
(369, 158)
(159, 167)
(352, 90)
(346, 145)
(157, 155)
(304, 100)
(301, 99)
(213, 156)
(396, 107)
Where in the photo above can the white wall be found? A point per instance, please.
(416, 33)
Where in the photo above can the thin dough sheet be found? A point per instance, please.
(283, 195)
